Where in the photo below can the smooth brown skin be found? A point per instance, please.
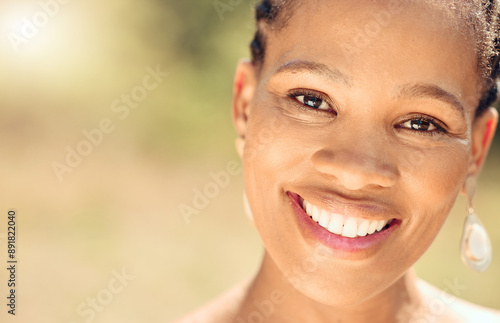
(362, 155)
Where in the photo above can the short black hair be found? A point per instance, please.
(483, 16)
(272, 14)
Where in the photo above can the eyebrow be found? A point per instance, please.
(320, 69)
(420, 90)
(417, 90)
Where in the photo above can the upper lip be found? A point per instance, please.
(359, 207)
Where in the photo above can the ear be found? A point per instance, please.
(244, 84)
(483, 132)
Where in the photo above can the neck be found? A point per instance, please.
(271, 298)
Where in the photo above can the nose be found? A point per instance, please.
(357, 165)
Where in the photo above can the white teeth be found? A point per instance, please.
(350, 228)
(343, 225)
(336, 224)
(373, 226)
(363, 228)
(381, 224)
(315, 213)
(324, 219)
(307, 207)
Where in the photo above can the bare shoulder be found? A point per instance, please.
(220, 310)
(440, 306)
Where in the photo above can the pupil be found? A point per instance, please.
(312, 101)
(420, 125)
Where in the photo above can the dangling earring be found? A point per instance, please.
(240, 147)
(475, 245)
(239, 143)
(246, 206)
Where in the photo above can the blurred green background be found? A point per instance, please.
(118, 209)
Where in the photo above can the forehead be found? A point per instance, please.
(386, 42)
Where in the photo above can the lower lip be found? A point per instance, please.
(311, 229)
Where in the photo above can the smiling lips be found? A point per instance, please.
(343, 225)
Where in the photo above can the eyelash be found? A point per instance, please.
(440, 128)
(299, 92)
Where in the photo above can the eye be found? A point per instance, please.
(313, 102)
(423, 124)
(420, 125)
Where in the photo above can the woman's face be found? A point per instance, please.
(364, 110)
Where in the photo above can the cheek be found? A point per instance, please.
(268, 158)
(275, 160)
(432, 180)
